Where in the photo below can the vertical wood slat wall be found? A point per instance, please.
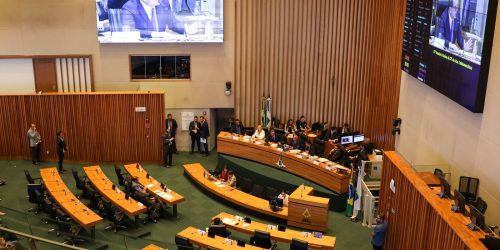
(100, 127)
(331, 60)
(421, 220)
(74, 74)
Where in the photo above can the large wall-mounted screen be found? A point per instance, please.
(447, 45)
(160, 21)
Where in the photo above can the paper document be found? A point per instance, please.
(229, 221)
(165, 196)
(150, 185)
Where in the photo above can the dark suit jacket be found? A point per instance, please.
(134, 16)
(204, 131)
(192, 127)
(301, 125)
(61, 145)
(277, 138)
(449, 36)
(332, 135)
(174, 126)
(238, 129)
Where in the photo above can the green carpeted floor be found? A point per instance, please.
(196, 211)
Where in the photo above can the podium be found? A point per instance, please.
(308, 211)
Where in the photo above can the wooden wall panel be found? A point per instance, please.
(417, 217)
(333, 61)
(100, 127)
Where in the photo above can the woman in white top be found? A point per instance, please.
(259, 133)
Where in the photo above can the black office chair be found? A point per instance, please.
(439, 173)
(113, 214)
(246, 184)
(271, 192)
(468, 186)
(35, 196)
(30, 179)
(298, 244)
(219, 230)
(121, 178)
(481, 205)
(257, 190)
(183, 243)
(261, 239)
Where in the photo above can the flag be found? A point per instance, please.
(352, 194)
(265, 111)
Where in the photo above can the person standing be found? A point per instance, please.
(167, 140)
(378, 234)
(194, 132)
(35, 140)
(61, 150)
(204, 134)
(171, 125)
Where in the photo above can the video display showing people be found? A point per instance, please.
(458, 27)
(160, 21)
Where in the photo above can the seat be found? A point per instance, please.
(468, 187)
(120, 176)
(298, 244)
(258, 190)
(35, 196)
(246, 184)
(439, 173)
(113, 214)
(219, 230)
(30, 179)
(261, 239)
(481, 205)
(183, 243)
(271, 192)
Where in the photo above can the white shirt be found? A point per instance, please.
(451, 25)
(260, 135)
(149, 11)
(284, 198)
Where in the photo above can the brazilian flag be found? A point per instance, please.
(352, 195)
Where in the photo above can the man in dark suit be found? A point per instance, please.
(237, 127)
(449, 28)
(273, 137)
(204, 134)
(167, 140)
(61, 150)
(194, 132)
(345, 129)
(302, 125)
(332, 134)
(367, 146)
(149, 16)
(171, 125)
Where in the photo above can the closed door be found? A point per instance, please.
(45, 74)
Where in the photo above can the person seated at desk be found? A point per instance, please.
(136, 186)
(307, 147)
(231, 179)
(273, 137)
(450, 30)
(332, 134)
(259, 133)
(237, 128)
(336, 154)
(152, 17)
(218, 228)
(295, 142)
(302, 125)
(284, 196)
(224, 174)
(367, 146)
(345, 129)
(290, 127)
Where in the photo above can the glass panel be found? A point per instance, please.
(153, 67)
(183, 67)
(168, 67)
(138, 67)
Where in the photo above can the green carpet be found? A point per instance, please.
(196, 211)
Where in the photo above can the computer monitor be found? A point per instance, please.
(445, 189)
(459, 202)
(346, 140)
(358, 138)
(477, 219)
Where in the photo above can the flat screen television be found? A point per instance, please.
(160, 21)
(447, 45)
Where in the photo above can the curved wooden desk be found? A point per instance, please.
(304, 210)
(197, 172)
(204, 241)
(154, 187)
(326, 242)
(103, 185)
(68, 202)
(324, 174)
